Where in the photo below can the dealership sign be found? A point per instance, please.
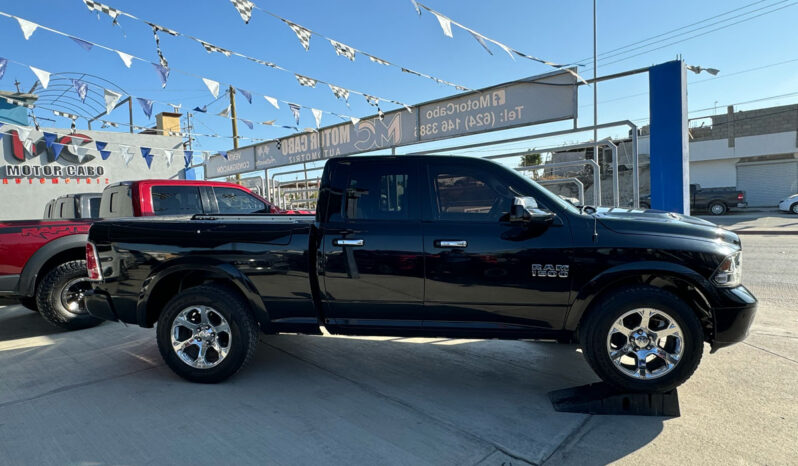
(540, 99)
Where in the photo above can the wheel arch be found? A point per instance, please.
(165, 282)
(685, 283)
(57, 251)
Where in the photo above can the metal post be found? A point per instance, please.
(188, 129)
(130, 113)
(595, 85)
(305, 172)
(616, 185)
(635, 168)
(232, 93)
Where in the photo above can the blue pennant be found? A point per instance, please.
(223, 154)
(146, 106)
(163, 73)
(187, 156)
(85, 45)
(81, 88)
(101, 147)
(57, 150)
(203, 109)
(246, 94)
(49, 139)
(246, 122)
(145, 152)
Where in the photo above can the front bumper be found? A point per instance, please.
(734, 318)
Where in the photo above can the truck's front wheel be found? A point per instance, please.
(59, 296)
(642, 339)
(206, 334)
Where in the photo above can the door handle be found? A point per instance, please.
(444, 243)
(348, 242)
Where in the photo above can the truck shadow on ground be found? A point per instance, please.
(24, 324)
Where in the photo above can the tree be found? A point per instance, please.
(531, 159)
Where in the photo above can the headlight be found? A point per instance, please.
(730, 271)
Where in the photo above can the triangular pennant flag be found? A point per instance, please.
(317, 114)
(339, 92)
(81, 88)
(146, 106)
(111, 98)
(272, 101)
(225, 113)
(206, 154)
(223, 154)
(57, 148)
(101, 147)
(146, 153)
(84, 44)
(506, 49)
(28, 28)
(127, 156)
(295, 110)
(378, 60)
(100, 8)
(354, 120)
(163, 73)
(268, 123)
(481, 42)
(446, 24)
(126, 59)
(246, 94)
(23, 132)
(169, 154)
(49, 139)
(305, 81)
(80, 151)
(44, 76)
(244, 8)
(247, 122)
(343, 50)
(415, 5)
(301, 33)
(187, 156)
(3, 64)
(213, 86)
(203, 109)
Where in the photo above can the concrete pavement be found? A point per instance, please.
(103, 396)
(757, 222)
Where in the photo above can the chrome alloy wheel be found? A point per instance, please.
(201, 337)
(72, 295)
(645, 343)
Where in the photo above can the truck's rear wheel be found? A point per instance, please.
(207, 333)
(642, 339)
(59, 296)
(717, 208)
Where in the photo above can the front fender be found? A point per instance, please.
(199, 268)
(626, 272)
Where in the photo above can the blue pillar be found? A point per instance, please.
(670, 151)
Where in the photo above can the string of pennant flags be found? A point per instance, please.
(446, 24)
(304, 34)
(213, 86)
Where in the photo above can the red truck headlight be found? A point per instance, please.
(93, 263)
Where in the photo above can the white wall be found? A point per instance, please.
(714, 173)
(749, 146)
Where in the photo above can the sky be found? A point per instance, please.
(752, 43)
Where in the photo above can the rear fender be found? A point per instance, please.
(193, 270)
(641, 273)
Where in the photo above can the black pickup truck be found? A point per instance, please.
(716, 201)
(436, 246)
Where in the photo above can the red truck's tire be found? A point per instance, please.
(55, 292)
(211, 316)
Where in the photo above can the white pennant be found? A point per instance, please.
(206, 155)
(213, 86)
(81, 152)
(111, 98)
(225, 113)
(506, 49)
(127, 156)
(27, 27)
(169, 154)
(446, 24)
(317, 115)
(354, 120)
(44, 76)
(24, 132)
(127, 59)
(272, 101)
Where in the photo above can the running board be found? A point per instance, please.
(601, 398)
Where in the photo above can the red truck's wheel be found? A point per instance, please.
(207, 333)
(59, 296)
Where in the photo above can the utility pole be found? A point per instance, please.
(232, 93)
(188, 129)
(595, 97)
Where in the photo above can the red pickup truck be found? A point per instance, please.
(43, 262)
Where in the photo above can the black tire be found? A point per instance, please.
(717, 208)
(643, 205)
(243, 337)
(794, 208)
(49, 297)
(29, 302)
(596, 327)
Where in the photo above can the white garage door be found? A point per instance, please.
(768, 183)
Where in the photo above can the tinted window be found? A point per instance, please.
(467, 195)
(61, 209)
(94, 207)
(238, 201)
(113, 204)
(378, 192)
(176, 200)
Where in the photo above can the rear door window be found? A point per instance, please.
(238, 201)
(380, 191)
(176, 200)
(94, 207)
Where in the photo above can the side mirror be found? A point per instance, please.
(521, 212)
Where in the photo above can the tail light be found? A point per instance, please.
(93, 263)
(740, 196)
